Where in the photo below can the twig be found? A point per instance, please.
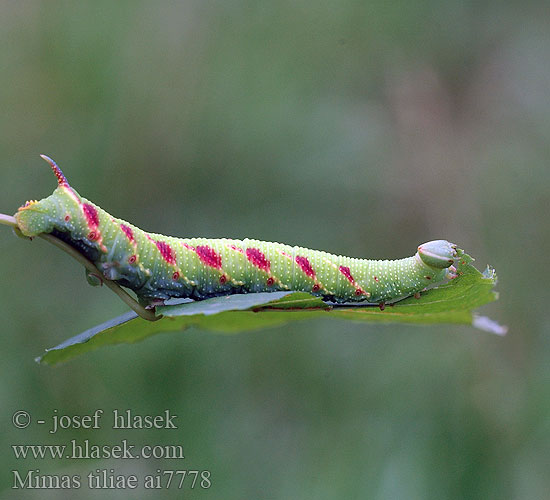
(8, 220)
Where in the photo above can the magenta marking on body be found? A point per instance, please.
(166, 251)
(92, 219)
(128, 232)
(236, 248)
(258, 259)
(305, 266)
(347, 273)
(209, 256)
(91, 215)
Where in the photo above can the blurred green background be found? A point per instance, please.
(357, 127)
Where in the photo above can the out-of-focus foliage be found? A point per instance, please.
(361, 128)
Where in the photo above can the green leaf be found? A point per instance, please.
(452, 302)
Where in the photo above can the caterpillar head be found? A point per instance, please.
(42, 216)
(440, 254)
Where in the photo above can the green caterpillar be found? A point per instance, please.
(158, 267)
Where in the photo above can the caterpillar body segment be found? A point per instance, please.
(158, 267)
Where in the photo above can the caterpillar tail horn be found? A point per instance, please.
(61, 179)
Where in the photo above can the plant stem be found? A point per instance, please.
(8, 220)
